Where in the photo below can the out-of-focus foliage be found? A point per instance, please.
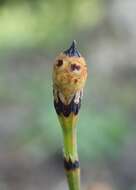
(46, 23)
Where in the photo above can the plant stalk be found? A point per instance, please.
(70, 151)
(71, 162)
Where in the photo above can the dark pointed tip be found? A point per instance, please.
(72, 51)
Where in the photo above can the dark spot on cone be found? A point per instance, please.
(60, 63)
(75, 67)
(75, 81)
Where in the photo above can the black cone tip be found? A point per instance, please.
(72, 51)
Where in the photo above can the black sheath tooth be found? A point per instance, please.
(72, 51)
(69, 165)
(67, 109)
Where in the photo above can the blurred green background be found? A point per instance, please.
(32, 34)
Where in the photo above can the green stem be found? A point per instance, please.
(70, 142)
(70, 151)
(68, 125)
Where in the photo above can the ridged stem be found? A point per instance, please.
(70, 142)
(70, 150)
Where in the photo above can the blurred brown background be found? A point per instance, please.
(32, 33)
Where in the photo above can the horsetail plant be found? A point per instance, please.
(69, 77)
